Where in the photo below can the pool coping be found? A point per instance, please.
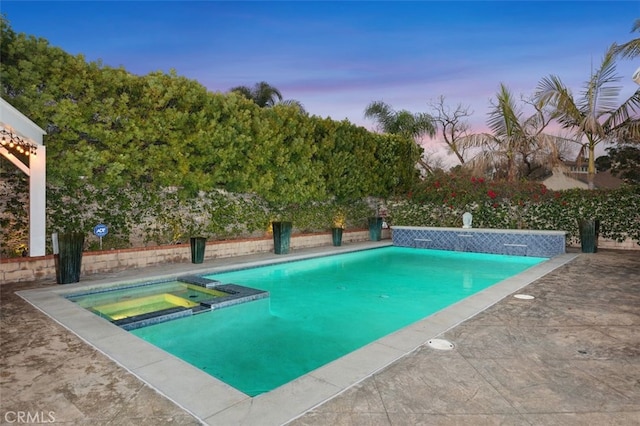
(214, 402)
(482, 230)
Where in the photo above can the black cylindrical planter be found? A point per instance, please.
(375, 228)
(336, 235)
(197, 249)
(69, 259)
(281, 237)
(589, 232)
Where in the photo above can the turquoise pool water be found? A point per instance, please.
(321, 309)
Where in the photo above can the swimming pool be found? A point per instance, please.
(213, 401)
(321, 309)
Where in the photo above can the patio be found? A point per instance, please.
(569, 356)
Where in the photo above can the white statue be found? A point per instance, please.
(467, 218)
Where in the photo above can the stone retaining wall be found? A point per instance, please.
(607, 243)
(94, 262)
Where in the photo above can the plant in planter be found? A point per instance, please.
(197, 225)
(281, 236)
(375, 225)
(589, 233)
(198, 245)
(375, 228)
(282, 225)
(67, 249)
(71, 214)
(339, 221)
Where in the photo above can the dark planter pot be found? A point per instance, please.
(281, 237)
(336, 235)
(68, 261)
(375, 228)
(589, 232)
(197, 249)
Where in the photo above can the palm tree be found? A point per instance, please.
(515, 139)
(403, 123)
(266, 95)
(263, 94)
(595, 116)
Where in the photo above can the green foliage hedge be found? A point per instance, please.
(147, 155)
(138, 218)
(108, 128)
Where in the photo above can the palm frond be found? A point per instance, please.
(293, 103)
(262, 93)
(479, 140)
(601, 91)
(423, 124)
(551, 90)
(401, 122)
(265, 94)
(482, 163)
(504, 117)
(382, 113)
(629, 132)
(630, 49)
(626, 114)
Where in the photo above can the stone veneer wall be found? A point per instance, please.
(94, 262)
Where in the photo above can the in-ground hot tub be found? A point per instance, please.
(141, 305)
(516, 242)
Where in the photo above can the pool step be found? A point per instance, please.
(198, 280)
(237, 294)
(151, 318)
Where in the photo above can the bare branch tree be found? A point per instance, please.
(453, 126)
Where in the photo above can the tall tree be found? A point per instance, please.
(517, 141)
(403, 123)
(453, 126)
(595, 116)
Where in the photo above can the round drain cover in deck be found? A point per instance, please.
(440, 344)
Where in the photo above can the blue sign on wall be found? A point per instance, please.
(100, 230)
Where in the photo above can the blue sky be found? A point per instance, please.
(337, 57)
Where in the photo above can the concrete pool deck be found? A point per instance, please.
(569, 356)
